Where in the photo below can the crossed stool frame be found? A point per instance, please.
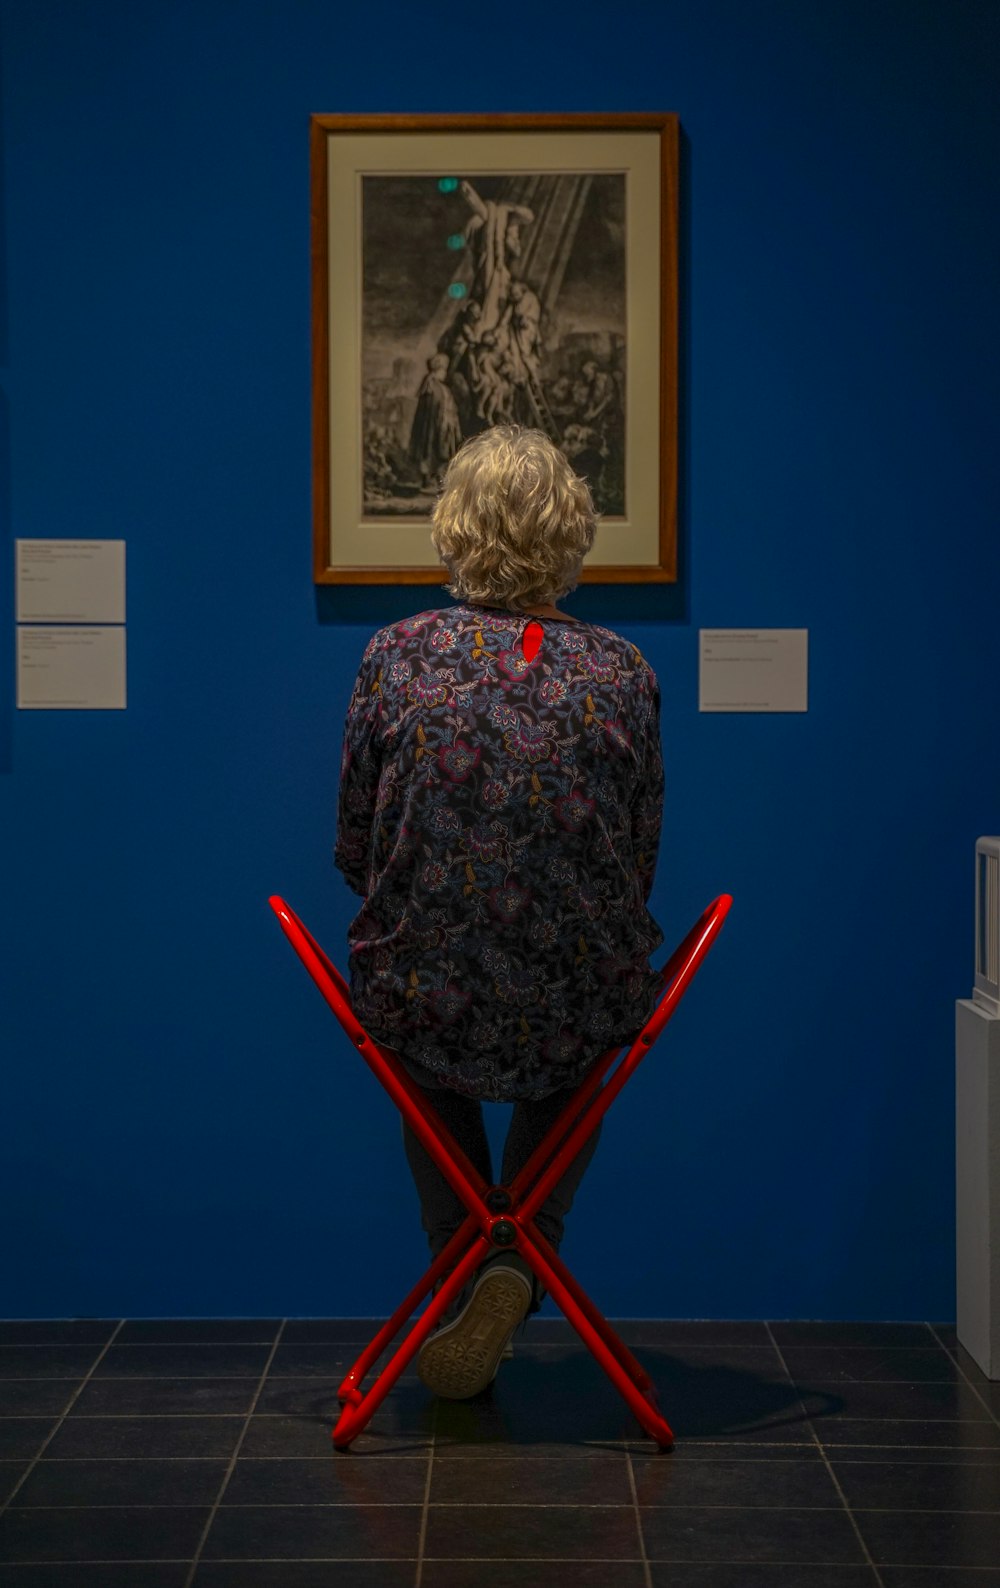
(502, 1216)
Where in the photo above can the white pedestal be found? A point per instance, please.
(977, 1174)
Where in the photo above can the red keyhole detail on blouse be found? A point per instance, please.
(531, 640)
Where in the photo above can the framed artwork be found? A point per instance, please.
(477, 270)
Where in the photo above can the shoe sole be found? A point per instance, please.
(462, 1358)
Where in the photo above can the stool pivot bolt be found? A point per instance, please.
(498, 1200)
(503, 1233)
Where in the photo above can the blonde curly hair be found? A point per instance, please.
(513, 523)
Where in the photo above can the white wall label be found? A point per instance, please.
(753, 670)
(70, 581)
(71, 669)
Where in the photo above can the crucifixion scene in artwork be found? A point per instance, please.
(491, 299)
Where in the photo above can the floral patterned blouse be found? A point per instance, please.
(500, 819)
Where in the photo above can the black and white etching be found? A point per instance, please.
(490, 299)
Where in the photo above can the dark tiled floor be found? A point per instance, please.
(159, 1454)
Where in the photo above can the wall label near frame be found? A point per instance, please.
(753, 670)
(71, 581)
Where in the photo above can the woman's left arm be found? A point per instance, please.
(647, 802)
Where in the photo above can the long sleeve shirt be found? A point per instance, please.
(500, 818)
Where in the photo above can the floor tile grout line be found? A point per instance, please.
(646, 1570)
(81, 1386)
(491, 1560)
(131, 1415)
(676, 1346)
(524, 1453)
(833, 1476)
(485, 1505)
(894, 1422)
(953, 1357)
(189, 1579)
(426, 1509)
(57, 1345)
(189, 1378)
(129, 1412)
(520, 1560)
(569, 1336)
(305, 1378)
(66, 1461)
(395, 1560)
(145, 1345)
(728, 1460)
(882, 1461)
(115, 1560)
(517, 1505)
(105, 1417)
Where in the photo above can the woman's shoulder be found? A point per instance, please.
(406, 633)
(624, 651)
(444, 632)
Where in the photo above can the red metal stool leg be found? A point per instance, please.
(598, 1322)
(487, 1228)
(639, 1396)
(356, 1416)
(349, 1389)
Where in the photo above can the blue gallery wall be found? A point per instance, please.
(182, 1130)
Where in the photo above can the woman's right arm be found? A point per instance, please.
(360, 768)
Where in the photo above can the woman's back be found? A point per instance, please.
(500, 817)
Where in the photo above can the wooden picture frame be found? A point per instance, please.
(472, 269)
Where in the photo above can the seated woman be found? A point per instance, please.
(500, 801)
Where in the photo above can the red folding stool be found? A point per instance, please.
(502, 1215)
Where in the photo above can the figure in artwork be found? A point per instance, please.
(494, 234)
(491, 299)
(436, 434)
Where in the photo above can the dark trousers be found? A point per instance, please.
(442, 1212)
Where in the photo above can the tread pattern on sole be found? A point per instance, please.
(462, 1358)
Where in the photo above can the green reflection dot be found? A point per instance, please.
(456, 240)
(456, 290)
(448, 184)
